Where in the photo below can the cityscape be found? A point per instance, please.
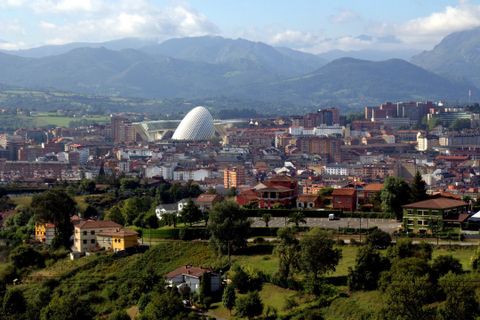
(172, 169)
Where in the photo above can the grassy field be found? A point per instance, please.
(359, 306)
(271, 295)
(27, 200)
(46, 119)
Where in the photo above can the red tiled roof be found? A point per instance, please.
(95, 224)
(187, 270)
(119, 233)
(438, 203)
(207, 197)
(377, 187)
(343, 192)
(307, 197)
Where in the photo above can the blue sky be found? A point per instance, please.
(309, 25)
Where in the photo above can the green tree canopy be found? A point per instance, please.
(369, 264)
(418, 189)
(228, 226)
(249, 306)
(395, 193)
(288, 252)
(318, 255)
(55, 206)
(229, 297)
(191, 213)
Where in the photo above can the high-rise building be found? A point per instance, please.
(233, 177)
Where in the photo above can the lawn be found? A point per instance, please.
(271, 295)
(360, 305)
(463, 254)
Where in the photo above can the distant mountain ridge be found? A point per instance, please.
(457, 57)
(353, 81)
(204, 67)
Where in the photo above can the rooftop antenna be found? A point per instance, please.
(469, 95)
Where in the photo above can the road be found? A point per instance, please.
(387, 225)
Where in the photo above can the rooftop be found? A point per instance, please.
(95, 224)
(343, 192)
(438, 203)
(187, 270)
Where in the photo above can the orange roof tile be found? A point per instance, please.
(438, 203)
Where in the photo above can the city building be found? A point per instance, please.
(44, 232)
(85, 234)
(344, 199)
(434, 215)
(197, 125)
(233, 177)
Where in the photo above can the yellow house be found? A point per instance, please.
(44, 232)
(118, 240)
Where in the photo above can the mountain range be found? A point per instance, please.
(202, 67)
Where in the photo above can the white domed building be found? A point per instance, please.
(197, 125)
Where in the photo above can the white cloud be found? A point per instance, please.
(128, 18)
(425, 32)
(293, 38)
(344, 16)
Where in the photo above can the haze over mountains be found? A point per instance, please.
(202, 67)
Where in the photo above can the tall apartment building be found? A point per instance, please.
(327, 147)
(233, 177)
(123, 130)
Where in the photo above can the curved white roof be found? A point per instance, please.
(197, 125)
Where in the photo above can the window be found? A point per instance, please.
(92, 241)
(92, 232)
(84, 233)
(84, 241)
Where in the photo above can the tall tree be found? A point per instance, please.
(228, 226)
(191, 213)
(418, 191)
(368, 266)
(288, 252)
(249, 306)
(461, 302)
(395, 193)
(229, 297)
(407, 297)
(318, 256)
(55, 206)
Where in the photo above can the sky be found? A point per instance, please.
(314, 26)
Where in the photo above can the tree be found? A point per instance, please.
(67, 307)
(369, 264)
(406, 298)
(318, 256)
(25, 256)
(229, 297)
(476, 260)
(379, 239)
(134, 206)
(418, 191)
(191, 213)
(14, 303)
(90, 212)
(164, 306)
(395, 193)
(297, 218)
(460, 124)
(87, 186)
(404, 248)
(287, 250)
(115, 214)
(460, 302)
(249, 306)
(55, 206)
(266, 217)
(444, 264)
(228, 226)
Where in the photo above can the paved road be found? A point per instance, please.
(387, 225)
